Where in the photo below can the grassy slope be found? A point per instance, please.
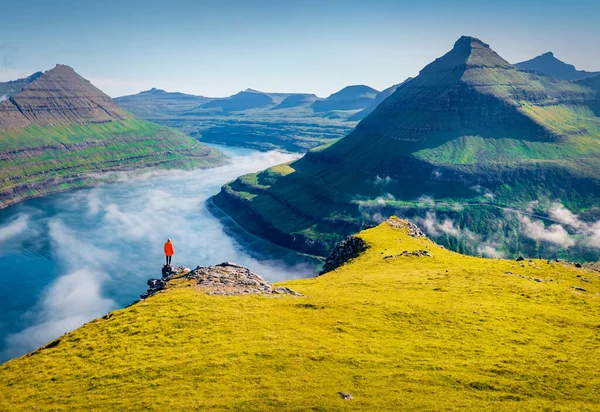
(449, 332)
(57, 158)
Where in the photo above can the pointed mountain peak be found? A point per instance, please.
(61, 73)
(548, 54)
(470, 42)
(468, 52)
(61, 68)
(61, 96)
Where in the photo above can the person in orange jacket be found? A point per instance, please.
(169, 251)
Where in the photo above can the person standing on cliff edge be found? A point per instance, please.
(169, 251)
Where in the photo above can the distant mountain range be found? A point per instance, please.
(468, 140)
(548, 64)
(256, 119)
(58, 132)
(159, 102)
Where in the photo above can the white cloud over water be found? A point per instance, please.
(71, 301)
(14, 228)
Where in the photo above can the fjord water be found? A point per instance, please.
(69, 258)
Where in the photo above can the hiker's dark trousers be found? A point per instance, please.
(169, 259)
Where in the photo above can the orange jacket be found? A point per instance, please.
(169, 251)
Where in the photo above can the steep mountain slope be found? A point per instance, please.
(471, 138)
(157, 102)
(60, 132)
(406, 325)
(7, 89)
(381, 96)
(548, 64)
(349, 98)
(247, 99)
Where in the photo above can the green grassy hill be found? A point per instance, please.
(472, 138)
(59, 132)
(397, 330)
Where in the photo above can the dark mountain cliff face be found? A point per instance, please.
(59, 96)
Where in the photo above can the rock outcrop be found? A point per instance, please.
(413, 230)
(223, 279)
(353, 246)
(347, 249)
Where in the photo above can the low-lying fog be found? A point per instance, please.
(69, 258)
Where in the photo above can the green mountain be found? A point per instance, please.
(468, 143)
(60, 132)
(548, 64)
(403, 325)
(349, 98)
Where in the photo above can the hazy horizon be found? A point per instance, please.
(218, 49)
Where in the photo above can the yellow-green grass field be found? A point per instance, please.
(447, 332)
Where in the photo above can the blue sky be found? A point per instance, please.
(216, 48)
